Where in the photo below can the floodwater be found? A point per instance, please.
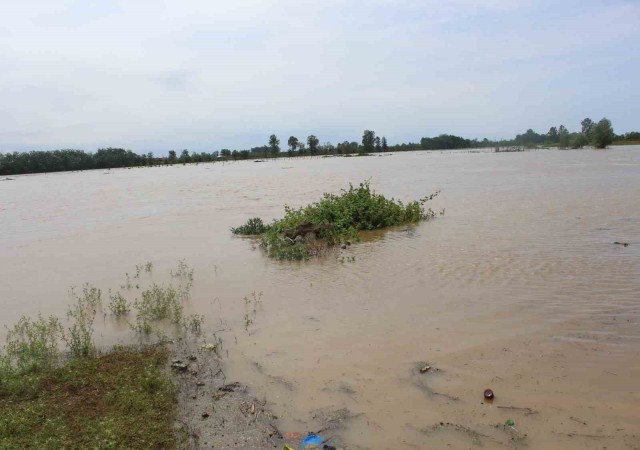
(519, 287)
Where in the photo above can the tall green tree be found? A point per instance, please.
(368, 140)
(313, 142)
(587, 127)
(385, 146)
(377, 144)
(184, 157)
(563, 137)
(172, 159)
(150, 158)
(579, 140)
(602, 134)
(293, 144)
(274, 145)
(552, 135)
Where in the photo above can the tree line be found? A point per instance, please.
(599, 135)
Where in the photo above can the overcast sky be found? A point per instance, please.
(155, 75)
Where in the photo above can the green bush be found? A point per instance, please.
(308, 231)
(253, 227)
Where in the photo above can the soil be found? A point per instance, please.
(218, 413)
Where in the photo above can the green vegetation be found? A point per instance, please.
(597, 134)
(119, 306)
(333, 220)
(58, 391)
(83, 311)
(123, 399)
(602, 134)
(254, 226)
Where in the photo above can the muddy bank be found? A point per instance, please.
(217, 412)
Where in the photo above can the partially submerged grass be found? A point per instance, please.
(333, 220)
(119, 306)
(123, 399)
(79, 398)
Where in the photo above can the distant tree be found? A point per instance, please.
(225, 152)
(632, 136)
(552, 135)
(313, 142)
(184, 157)
(385, 147)
(274, 145)
(150, 158)
(377, 144)
(602, 134)
(563, 137)
(328, 148)
(579, 140)
(301, 149)
(368, 140)
(172, 157)
(293, 144)
(587, 127)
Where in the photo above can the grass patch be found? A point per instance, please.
(124, 399)
(333, 220)
(82, 398)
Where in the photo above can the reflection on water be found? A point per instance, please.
(518, 287)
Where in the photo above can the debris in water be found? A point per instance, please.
(510, 423)
(624, 244)
(425, 369)
(211, 347)
(488, 394)
(179, 365)
(314, 441)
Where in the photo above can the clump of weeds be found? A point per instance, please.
(335, 219)
(32, 345)
(251, 303)
(193, 324)
(82, 312)
(252, 227)
(119, 306)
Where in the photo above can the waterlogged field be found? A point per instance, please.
(518, 287)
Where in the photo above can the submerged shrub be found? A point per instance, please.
(33, 344)
(309, 230)
(254, 226)
(79, 338)
(157, 303)
(119, 305)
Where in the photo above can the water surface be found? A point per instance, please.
(518, 287)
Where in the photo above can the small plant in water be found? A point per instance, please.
(193, 323)
(32, 345)
(251, 303)
(79, 337)
(119, 305)
(254, 226)
(157, 303)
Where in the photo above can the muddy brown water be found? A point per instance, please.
(518, 288)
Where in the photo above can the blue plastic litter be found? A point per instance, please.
(312, 441)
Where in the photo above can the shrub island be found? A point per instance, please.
(334, 220)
